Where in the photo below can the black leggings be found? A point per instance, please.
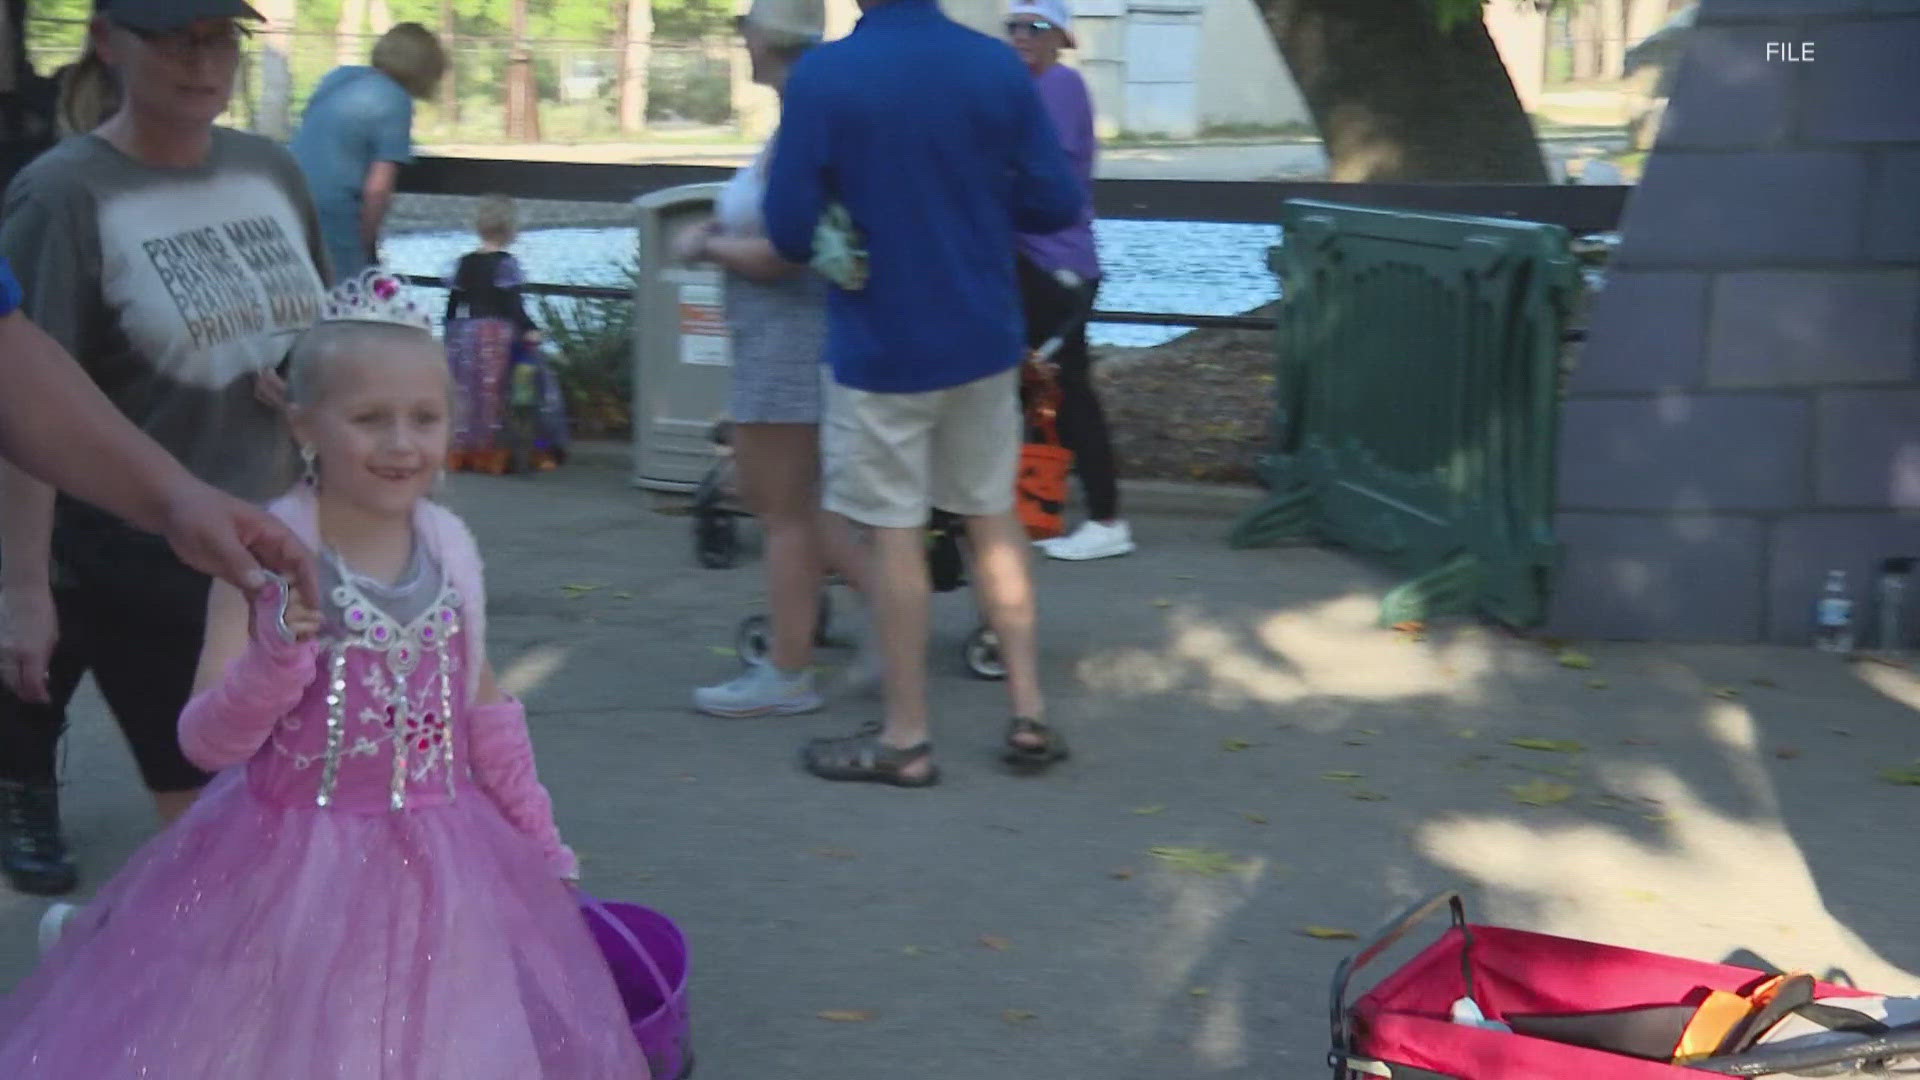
(133, 616)
(1083, 423)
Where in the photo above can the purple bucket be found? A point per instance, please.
(648, 956)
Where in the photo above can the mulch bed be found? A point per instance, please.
(1199, 407)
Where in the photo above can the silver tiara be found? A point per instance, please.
(378, 297)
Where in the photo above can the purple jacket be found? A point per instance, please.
(1064, 93)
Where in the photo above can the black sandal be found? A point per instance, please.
(863, 758)
(1033, 759)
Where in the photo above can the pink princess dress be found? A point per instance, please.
(371, 889)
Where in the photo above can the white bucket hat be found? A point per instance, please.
(1053, 11)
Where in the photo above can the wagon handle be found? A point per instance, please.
(1389, 934)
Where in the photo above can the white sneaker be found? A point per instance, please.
(1092, 540)
(761, 690)
(53, 923)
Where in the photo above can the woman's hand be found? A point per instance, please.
(29, 629)
(690, 243)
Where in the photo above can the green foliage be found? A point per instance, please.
(595, 341)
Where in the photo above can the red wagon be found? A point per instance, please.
(1403, 1028)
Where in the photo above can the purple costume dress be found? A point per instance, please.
(363, 897)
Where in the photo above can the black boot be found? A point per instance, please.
(31, 850)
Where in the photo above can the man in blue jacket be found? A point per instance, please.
(934, 139)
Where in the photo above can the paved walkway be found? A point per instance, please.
(1139, 914)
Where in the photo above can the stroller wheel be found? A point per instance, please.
(716, 539)
(754, 640)
(982, 655)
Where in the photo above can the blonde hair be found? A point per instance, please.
(412, 56)
(496, 219)
(89, 94)
(324, 345)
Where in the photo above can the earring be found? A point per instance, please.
(310, 462)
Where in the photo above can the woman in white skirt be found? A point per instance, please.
(776, 315)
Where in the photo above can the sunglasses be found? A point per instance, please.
(1023, 27)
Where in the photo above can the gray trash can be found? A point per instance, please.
(681, 352)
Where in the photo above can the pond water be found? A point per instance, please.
(1198, 268)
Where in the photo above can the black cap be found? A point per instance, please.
(160, 16)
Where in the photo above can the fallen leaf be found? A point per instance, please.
(724, 650)
(1368, 731)
(1019, 1016)
(1329, 933)
(997, 944)
(1572, 658)
(1907, 777)
(913, 950)
(1540, 793)
(1639, 742)
(1257, 819)
(1410, 626)
(1643, 896)
(1553, 746)
(1199, 992)
(1149, 811)
(846, 1016)
(1725, 693)
(1340, 776)
(1765, 683)
(1185, 577)
(1204, 862)
(1659, 819)
(1468, 733)
(1124, 873)
(1366, 796)
(1163, 603)
(1787, 753)
(835, 853)
(1596, 684)
(1845, 733)
(1234, 746)
(1358, 742)
(623, 595)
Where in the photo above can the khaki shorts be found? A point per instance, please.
(891, 457)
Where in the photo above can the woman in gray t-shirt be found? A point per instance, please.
(777, 319)
(176, 261)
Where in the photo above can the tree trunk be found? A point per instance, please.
(348, 48)
(635, 56)
(275, 118)
(450, 82)
(523, 97)
(1398, 99)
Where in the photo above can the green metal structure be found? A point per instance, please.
(1417, 385)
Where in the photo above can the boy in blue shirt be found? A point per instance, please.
(934, 140)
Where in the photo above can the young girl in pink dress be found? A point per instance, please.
(373, 886)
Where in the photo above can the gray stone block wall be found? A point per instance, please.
(1745, 415)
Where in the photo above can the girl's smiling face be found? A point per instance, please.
(380, 427)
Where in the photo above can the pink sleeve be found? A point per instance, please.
(501, 751)
(225, 724)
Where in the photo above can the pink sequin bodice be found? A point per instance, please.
(380, 727)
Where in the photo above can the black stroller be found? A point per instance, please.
(717, 512)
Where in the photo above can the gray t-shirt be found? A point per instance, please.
(173, 287)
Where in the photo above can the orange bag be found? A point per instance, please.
(1040, 490)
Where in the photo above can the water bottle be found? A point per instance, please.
(1890, 599)
(1833, 616)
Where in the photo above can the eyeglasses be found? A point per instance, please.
(1023, 27)
(184, 44)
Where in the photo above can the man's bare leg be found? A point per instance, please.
(902, 602)
(1004, 580)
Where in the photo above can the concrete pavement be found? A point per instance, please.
(1139, 913)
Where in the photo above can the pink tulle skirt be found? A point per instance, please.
(252, 941)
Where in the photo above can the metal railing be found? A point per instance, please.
(1577, 208)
